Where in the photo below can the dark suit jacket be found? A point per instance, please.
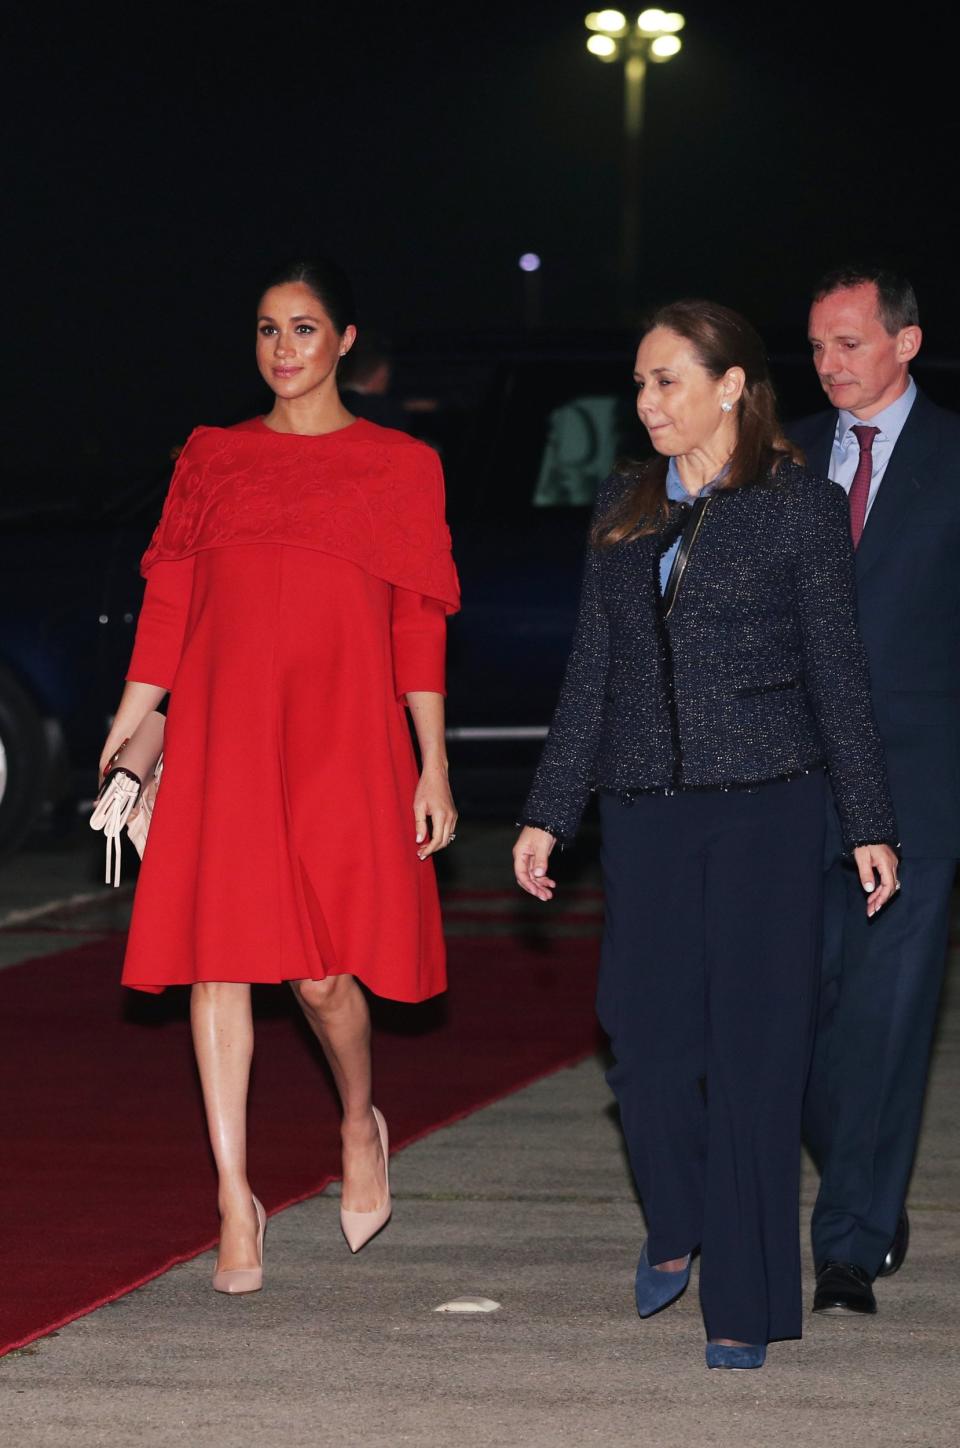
(908, 586)
(757, 673)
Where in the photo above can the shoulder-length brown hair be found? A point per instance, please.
(721, 339)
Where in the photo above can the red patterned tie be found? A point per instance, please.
(862, 478)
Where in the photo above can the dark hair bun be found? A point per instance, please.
(329, 283)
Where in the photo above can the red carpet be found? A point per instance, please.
(105, 1179)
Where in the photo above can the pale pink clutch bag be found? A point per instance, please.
(129, 791)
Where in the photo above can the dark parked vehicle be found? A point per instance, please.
(69, 595)
(526, 430)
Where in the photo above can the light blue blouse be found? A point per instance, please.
(677, 493)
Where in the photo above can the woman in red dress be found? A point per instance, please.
(297, 591)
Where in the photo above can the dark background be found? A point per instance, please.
(162, 158)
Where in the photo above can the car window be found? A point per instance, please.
(580, 446)
(556, 430)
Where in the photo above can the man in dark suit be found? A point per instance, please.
(898, 457)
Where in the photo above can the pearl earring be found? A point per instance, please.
(726, 407)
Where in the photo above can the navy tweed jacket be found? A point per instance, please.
(756, 673)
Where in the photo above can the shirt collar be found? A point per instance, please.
(890, 421)
(677, 493)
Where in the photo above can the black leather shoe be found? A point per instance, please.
(898, 1247)
(843, 1287)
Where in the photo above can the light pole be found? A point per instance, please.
(653, 36)
(530, 265)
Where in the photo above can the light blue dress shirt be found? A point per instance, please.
(677, 493)
(846, 449)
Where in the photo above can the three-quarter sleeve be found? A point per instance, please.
(837, 676)
(561, 785)
(162, 623)
(419, 630)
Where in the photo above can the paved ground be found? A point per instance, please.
(527, 1202)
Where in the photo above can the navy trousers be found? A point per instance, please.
(878, 1006)
(707, 990)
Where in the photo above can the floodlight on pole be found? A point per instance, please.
(610, 22)
(664, 47)
(604, 47)
(654, 36)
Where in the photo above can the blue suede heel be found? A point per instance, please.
(655, 1289)
(749, 1355)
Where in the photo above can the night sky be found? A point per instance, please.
(164, 157)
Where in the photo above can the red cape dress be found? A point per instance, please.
(297, 589)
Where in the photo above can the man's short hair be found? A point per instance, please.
(896, 299)
(367, 355)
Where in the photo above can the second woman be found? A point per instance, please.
(716, 686)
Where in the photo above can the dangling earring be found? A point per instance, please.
(726, 407)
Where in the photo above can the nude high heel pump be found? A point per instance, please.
(359, 1227)
(244, 1279)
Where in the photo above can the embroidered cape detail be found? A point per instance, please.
(370, 495)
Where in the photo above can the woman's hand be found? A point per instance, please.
(882, 859)
(433, 799)
(530, 856)
(114, 739)
(135, 704)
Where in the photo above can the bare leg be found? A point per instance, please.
(336, 1010)
(222, 1024)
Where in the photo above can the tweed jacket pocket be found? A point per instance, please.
(763, 676)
